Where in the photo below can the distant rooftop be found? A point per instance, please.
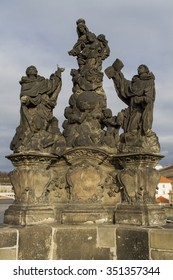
(165, 180)
(167, 171)
(168, 166)
(162, 199)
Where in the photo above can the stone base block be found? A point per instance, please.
(80, 217)
(86, 242)
(62, 214)
(141, 215)
(86, 213)
(28, 215)
(169, 213)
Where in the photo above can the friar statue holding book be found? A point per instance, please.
(137, 118)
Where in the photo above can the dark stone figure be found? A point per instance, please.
(90, 51)
(38, 129)
(86, 123)
(111, 137)
(136, 120)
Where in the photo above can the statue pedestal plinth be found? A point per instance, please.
(29, 215)
(89, 178)
(138, 180)
(140, 215)
(76, 188)
(30, 179)
(84, 185)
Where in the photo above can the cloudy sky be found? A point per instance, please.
(41, 32)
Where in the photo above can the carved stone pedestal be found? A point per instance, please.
(84, 185)
(137, 181)
(137, 177)
(30, 179)
(78, 187)
(140, 215)
(89, 182)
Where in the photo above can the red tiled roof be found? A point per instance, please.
(162, 199)
(165, 180)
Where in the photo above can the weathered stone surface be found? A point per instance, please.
(129, 215)
(90, 176)
(161, 255)
(8, 254)
(132, 244)
(8, 237)
(169, 212)
(86, 216)
(90, 242)
(161, 239)
(79, 243)
(141, 215)
(106, 237)
(29, 215)
(30, 179)
(138, 178)
(35, 243)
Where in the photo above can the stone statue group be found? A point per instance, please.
(88, 121)
(99, 158)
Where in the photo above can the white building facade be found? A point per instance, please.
(164, 187)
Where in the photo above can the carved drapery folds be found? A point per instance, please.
(38, 130)
(90, 51)
(137, 118)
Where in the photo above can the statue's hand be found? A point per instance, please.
(72, 52)
(62, 69)
(59, 71)
(24, 99)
